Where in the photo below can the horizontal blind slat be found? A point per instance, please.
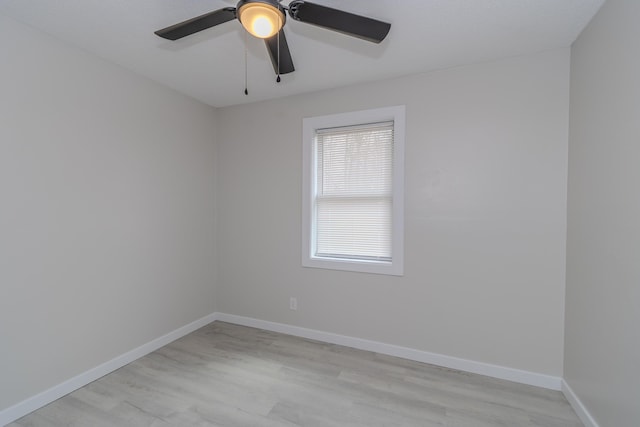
(353, 203)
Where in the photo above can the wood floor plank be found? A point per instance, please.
(229, 375)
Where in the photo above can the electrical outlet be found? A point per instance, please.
(293, 303)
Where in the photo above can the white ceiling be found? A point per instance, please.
(425, 35)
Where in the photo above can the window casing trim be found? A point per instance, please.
(310, 126)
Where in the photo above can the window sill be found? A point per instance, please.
(359, 266)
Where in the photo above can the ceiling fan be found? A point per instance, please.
(265, 19)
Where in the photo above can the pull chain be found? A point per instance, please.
(246, 67)
(278, 40)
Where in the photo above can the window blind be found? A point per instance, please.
(354, 200)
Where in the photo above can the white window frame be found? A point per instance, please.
(309, 127)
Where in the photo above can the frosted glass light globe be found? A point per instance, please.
(261, 20)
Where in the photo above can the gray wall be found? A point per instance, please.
(485, 219)
(107, 212)
(602, 351)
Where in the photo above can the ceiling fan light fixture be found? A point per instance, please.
(261, 18)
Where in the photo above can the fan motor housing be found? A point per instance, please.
(293, 8)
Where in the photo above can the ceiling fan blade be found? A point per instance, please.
(197, 24)
(286, 63)
(337, 20)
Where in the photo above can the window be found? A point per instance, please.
(353, 191)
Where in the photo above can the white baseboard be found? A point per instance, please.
(578, 406)
(21, 409)
(501, 372)
(524, 377)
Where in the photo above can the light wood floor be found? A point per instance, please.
(228, 375)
